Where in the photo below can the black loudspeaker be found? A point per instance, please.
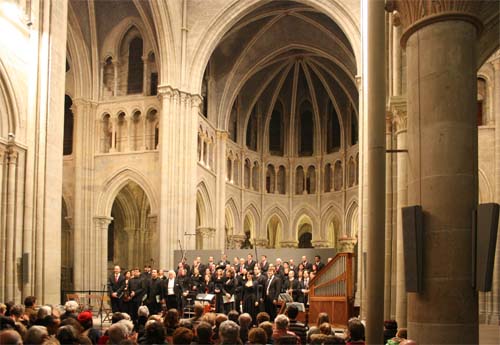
(26, 268)
(484, 240)
(413, 247)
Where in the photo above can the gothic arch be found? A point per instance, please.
(232, 214)
(332, 213)
(485, 189)
(309, 212)
(80, 59)
(228, 17)
(351, 220)
(9, 121)
(251, 210)
(204, 205)
(275, 211)
(112, 186)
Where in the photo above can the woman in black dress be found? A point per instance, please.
(218, 287)
(250, 297)
(228, 291)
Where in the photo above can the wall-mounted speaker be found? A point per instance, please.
(484, 240)
(413, 247)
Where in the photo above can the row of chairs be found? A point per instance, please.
(99, 305)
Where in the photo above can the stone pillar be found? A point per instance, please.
(400, 122)
(85, 276)
(276, 169)
(2, 229)
(10, 225)
(388, 220)
(178, 149)
(495, 293)
(220, 185)
(144, 132)
(232, 171)
(101, 224)
(375, 172)
(116, 65)
(442, 164)
(114, 123)
(145, 76)
(396, 55)
(128, 118)
(101, 79)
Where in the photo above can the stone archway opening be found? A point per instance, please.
(304, 232)
(274, 232)
(132, 238)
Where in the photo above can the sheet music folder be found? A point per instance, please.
(208, 297)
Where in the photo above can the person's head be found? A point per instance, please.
(220, 318)
(196, 271)
(402, 333)
(262, 316)
(171, 274)
(154, 273)
(291, 262)
(325, 328)
(85, 319)
(322, 318)
(292, 311)
(233, 315)
(236, 260)
(143, 311)
(71, 307)
(198, 309)
(391, 324)
(182, 335)
(229, 332)
(43, 311)
(117, 332)
(137, 273)
(210, 259)
(181, 272)
(10, 337)
(242, 261)
(281, 322)
(249, 275)
(172, 318)
(249, 257)
(155, 332)
(278, 261)
(263, 258)
(257, 336)
(16, 311)
(3, 309)
(286, 265)
(116, 269)
(207, 277)
(204, 332)
(30, 301)
(304, 258)
(245, 320)
(36, 335)
(267, 326)
(67, 334)
(161, 273)
(317, 258)
(220, 273)
(117, 316)
(230, 273)
(291, 274)
(356, 329)
(256, 270)
(270, 271)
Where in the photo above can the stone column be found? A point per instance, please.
(400, 121)
(101, 76)
(495, 293)
(145, 76)
(144, 132)
(2, 229)
(10, 225)
(116, 65)
(396, 55)
(442, 164)
(388, 220)
(375, 172)
(178, 149)
(128, 118)
(220, 185)
(114, 123)
(101, 224)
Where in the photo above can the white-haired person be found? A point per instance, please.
(70, 310)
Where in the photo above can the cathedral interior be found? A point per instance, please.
(125, 125)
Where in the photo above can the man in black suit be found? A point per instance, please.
(155, 293)
(264, 265)
(116, 283)
(307, 265)
(318, 263)
(137, 289)
(272, 291)
(250, 263)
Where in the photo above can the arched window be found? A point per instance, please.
(255, 176)
(121, 133)
(337, 176)
(236, 171)
(333, 133)
(305, 240)
(107, 130)
(153, 76)
(233, 122)
(270, 179)
(251, 135)
(354, 128)
(352, 172)
(136, 131)
(306, 130)
(481, 101)
(276, 131)
(108, 76)
(135, 67)
(248, 172)
(204, 93)
(299, 180)
(328, 178)
(357, 169)
(68, 126)
(229, 169)
(282, 180)
(311, 180)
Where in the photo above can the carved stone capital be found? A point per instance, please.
(237, 240)
(288, 244)
(196, 101)
(102, 222)
(346, 244)
(13, 155)
(261, 242)
(206, 232)
(416, 14)
(320, 244)
(399, 113)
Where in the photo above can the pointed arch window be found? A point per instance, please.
(233, 122)
(251, 135)
(354, 128)
(68, 126)
(135, 66)
(306, 130)
(333, 133)
(276, 131)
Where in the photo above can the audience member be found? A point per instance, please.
(71, 308)
(245, 322)
(257, 336)
(182, 336)
(10, 337)
(296, 326)
(203, 334)
(268, 327)
(281, 329)
(36, 335)
(356, 332)
(262, 316)
(229, 333)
